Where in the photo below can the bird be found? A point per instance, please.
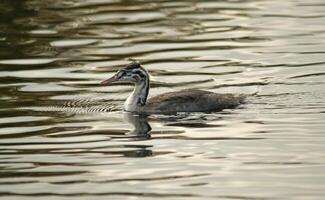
(186, 100)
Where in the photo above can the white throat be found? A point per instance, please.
(138, 97)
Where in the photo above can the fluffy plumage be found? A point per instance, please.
(192, 100)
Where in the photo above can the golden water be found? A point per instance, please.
(63, 136)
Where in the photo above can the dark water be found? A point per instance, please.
(64, 137)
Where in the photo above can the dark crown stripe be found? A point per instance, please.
(133, 65)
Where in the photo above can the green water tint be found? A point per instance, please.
(63, 136)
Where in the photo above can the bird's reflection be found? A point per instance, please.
(141, 127)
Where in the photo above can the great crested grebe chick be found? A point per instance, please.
(188, 100)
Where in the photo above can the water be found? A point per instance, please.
(63, 136)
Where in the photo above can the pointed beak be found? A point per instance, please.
(109, 81)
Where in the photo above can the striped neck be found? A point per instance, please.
(138, 98)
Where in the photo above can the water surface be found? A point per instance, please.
(63, 136)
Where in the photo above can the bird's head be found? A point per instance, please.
(133, 73)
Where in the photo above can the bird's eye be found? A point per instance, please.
(139, 73)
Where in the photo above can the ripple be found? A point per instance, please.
(308, 75)
(43, 32)
(6, 120)
(32, 61)
(140, 194)
(61, 133)
(9, 174)
(73, 43)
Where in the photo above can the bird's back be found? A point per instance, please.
(191, 100)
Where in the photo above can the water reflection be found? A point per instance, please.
(62, 135)
(141, 127)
